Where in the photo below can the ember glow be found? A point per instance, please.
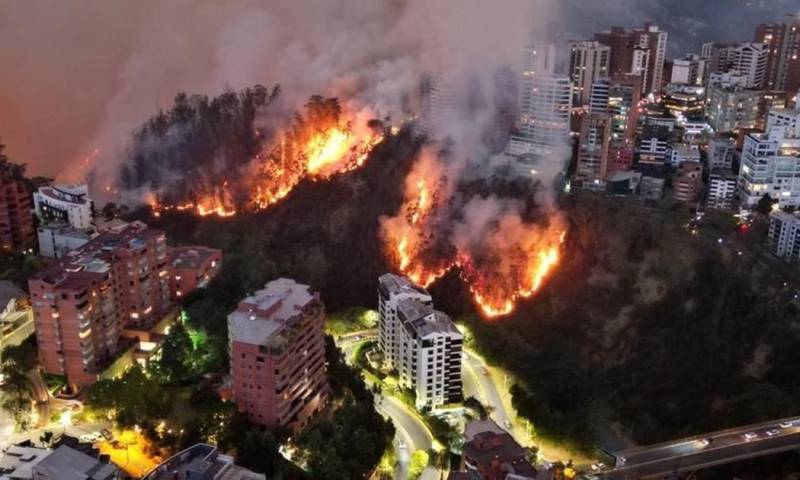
(500, 257)
(316, 148)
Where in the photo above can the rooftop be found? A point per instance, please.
(79, 268)
(191, 257)
(264, 313)
(490, 450)
(63, 463)
(201, 461)
(73, 193)
(391, 285)
(422, 320)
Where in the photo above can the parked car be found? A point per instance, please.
(773, 432)
(787, 424)
(750, 436)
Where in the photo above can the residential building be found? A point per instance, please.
(589, 61)
(426, 346)
(651, 186)
(16, 218)
(593, 150)
(689, 70)
(784, 235)
(16, 318)
(492, 453)
(771, 100)
(391, 289)
(544, 106)
(63, 463)
(683, 99)
(623, 182)
(83, 302)
(721, 150)
(721, 189)
(654, 143)
(69, 204)
(619, 97)
(783, 62)
(277, 352)
(680, 153)
(732, 109)
(58, 239)
(620, 156)
(201, 462)
(770, 165)
(432, 100)
(688, 182)
(191, 268)
(641, 52)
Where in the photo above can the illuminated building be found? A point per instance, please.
(771, 162)
(684, 99)
(82, 303)
(721, 149)
(191, 268)
(689, 182)
(67, 204)
(201, 462)
(732, 109)
(424, 346)
(783, 62)
(589, 61)
(545, 101)
(641, 52)
(593, 147)
(721, 189)
(689, 70)
(277, 354)
(618, 97)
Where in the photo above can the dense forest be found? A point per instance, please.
(199, 142)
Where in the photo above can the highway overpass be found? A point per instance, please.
(704, 451)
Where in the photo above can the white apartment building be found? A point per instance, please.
(68, 204)
(720, 151)
(589, 60)
(784, 235)
(721, 190)
(58, 239)
(748, 59)
(420, 343)
(545, 100)
(771, 165)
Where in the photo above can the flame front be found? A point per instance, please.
(507, 260)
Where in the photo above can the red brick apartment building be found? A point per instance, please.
(191, 268)
(16, 216)
(277, 354)
(82, 303)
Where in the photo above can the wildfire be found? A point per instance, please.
(501, 258)
(323, 143)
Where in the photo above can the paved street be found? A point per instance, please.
(707, 450)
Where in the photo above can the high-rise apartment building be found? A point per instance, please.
(721, 189)
(730, 109)
(771, 162)
(783, 62)
(593, 150)
(82, 302)
(618, 97)
(589, 61)
(689, 70)
(420, 343)
(784, 235)
(277, 354)
(16, 218)
(748, 59)
(545, 101)
(641, 52)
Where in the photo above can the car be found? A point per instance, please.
(401, 445)
(106, 433)
(773, 432)
(786, 424)
(706, 441)
(749, 436)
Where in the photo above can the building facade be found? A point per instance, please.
(593, 150)
(730, 109)
(82, 303)
(544, 105)
(191, 268)
(721, 190)
(784, 235)
(420, 343)
(589, 61)
(16, 217)
(277, 352)
(67, 204)
(770, 165)
(783, 61)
